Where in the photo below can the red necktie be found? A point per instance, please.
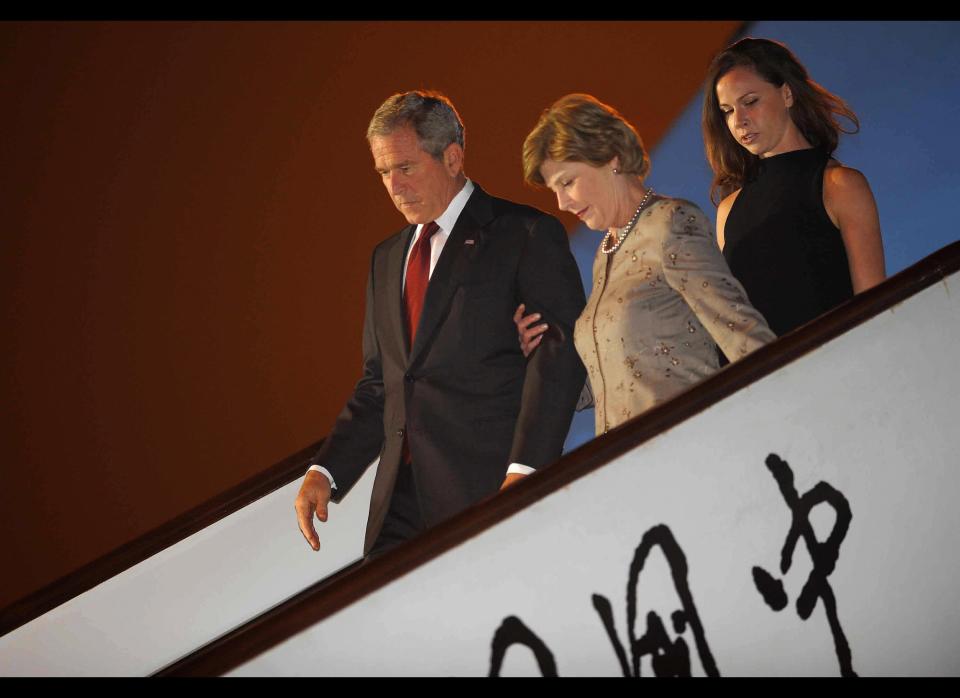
(418, 274)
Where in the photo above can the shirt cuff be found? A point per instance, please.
(517, 469)
(326, 473)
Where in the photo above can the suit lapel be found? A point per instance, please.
(395, 262)
(457, 255)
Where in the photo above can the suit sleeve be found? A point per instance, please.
(548, 282)
(357, 436)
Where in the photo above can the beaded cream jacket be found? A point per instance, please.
(658, 308)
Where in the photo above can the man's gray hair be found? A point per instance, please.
(431, 115)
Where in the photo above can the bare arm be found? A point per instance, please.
(852, 208)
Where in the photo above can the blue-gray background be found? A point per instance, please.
(903, 81)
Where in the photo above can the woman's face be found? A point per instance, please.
(758, 113)
(584, 190)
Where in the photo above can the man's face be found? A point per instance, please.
(420, 186)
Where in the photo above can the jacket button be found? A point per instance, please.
(400, 433)
(407, 377)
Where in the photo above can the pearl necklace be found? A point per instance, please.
(625, 229)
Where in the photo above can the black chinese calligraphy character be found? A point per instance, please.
(668, 657)
(512, 631)
(823, 554)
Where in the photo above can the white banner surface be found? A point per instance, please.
(806, 524)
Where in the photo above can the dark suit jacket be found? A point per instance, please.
(468, 401)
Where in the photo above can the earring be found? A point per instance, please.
(616, 171)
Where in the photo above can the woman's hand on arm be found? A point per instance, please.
(530, 334)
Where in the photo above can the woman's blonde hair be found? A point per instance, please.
(581, 128)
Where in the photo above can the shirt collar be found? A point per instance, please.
(448, 218)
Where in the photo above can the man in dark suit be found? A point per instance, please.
(447, 399)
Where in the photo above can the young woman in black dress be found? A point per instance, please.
(799, 230)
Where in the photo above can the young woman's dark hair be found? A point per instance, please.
(816, 112)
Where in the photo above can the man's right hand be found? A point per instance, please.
(529, 336)
(313, 498)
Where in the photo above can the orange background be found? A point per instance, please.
(188, 214)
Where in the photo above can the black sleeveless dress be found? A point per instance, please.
(782, 246)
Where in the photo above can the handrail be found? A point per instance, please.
(139, 549)
(329, 596)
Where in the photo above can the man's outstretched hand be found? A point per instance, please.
(312, 499)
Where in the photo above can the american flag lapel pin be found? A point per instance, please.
(471, 241)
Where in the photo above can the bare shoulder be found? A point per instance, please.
(846, 192)
(724, 206)
(842, 179)
(723, 210)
